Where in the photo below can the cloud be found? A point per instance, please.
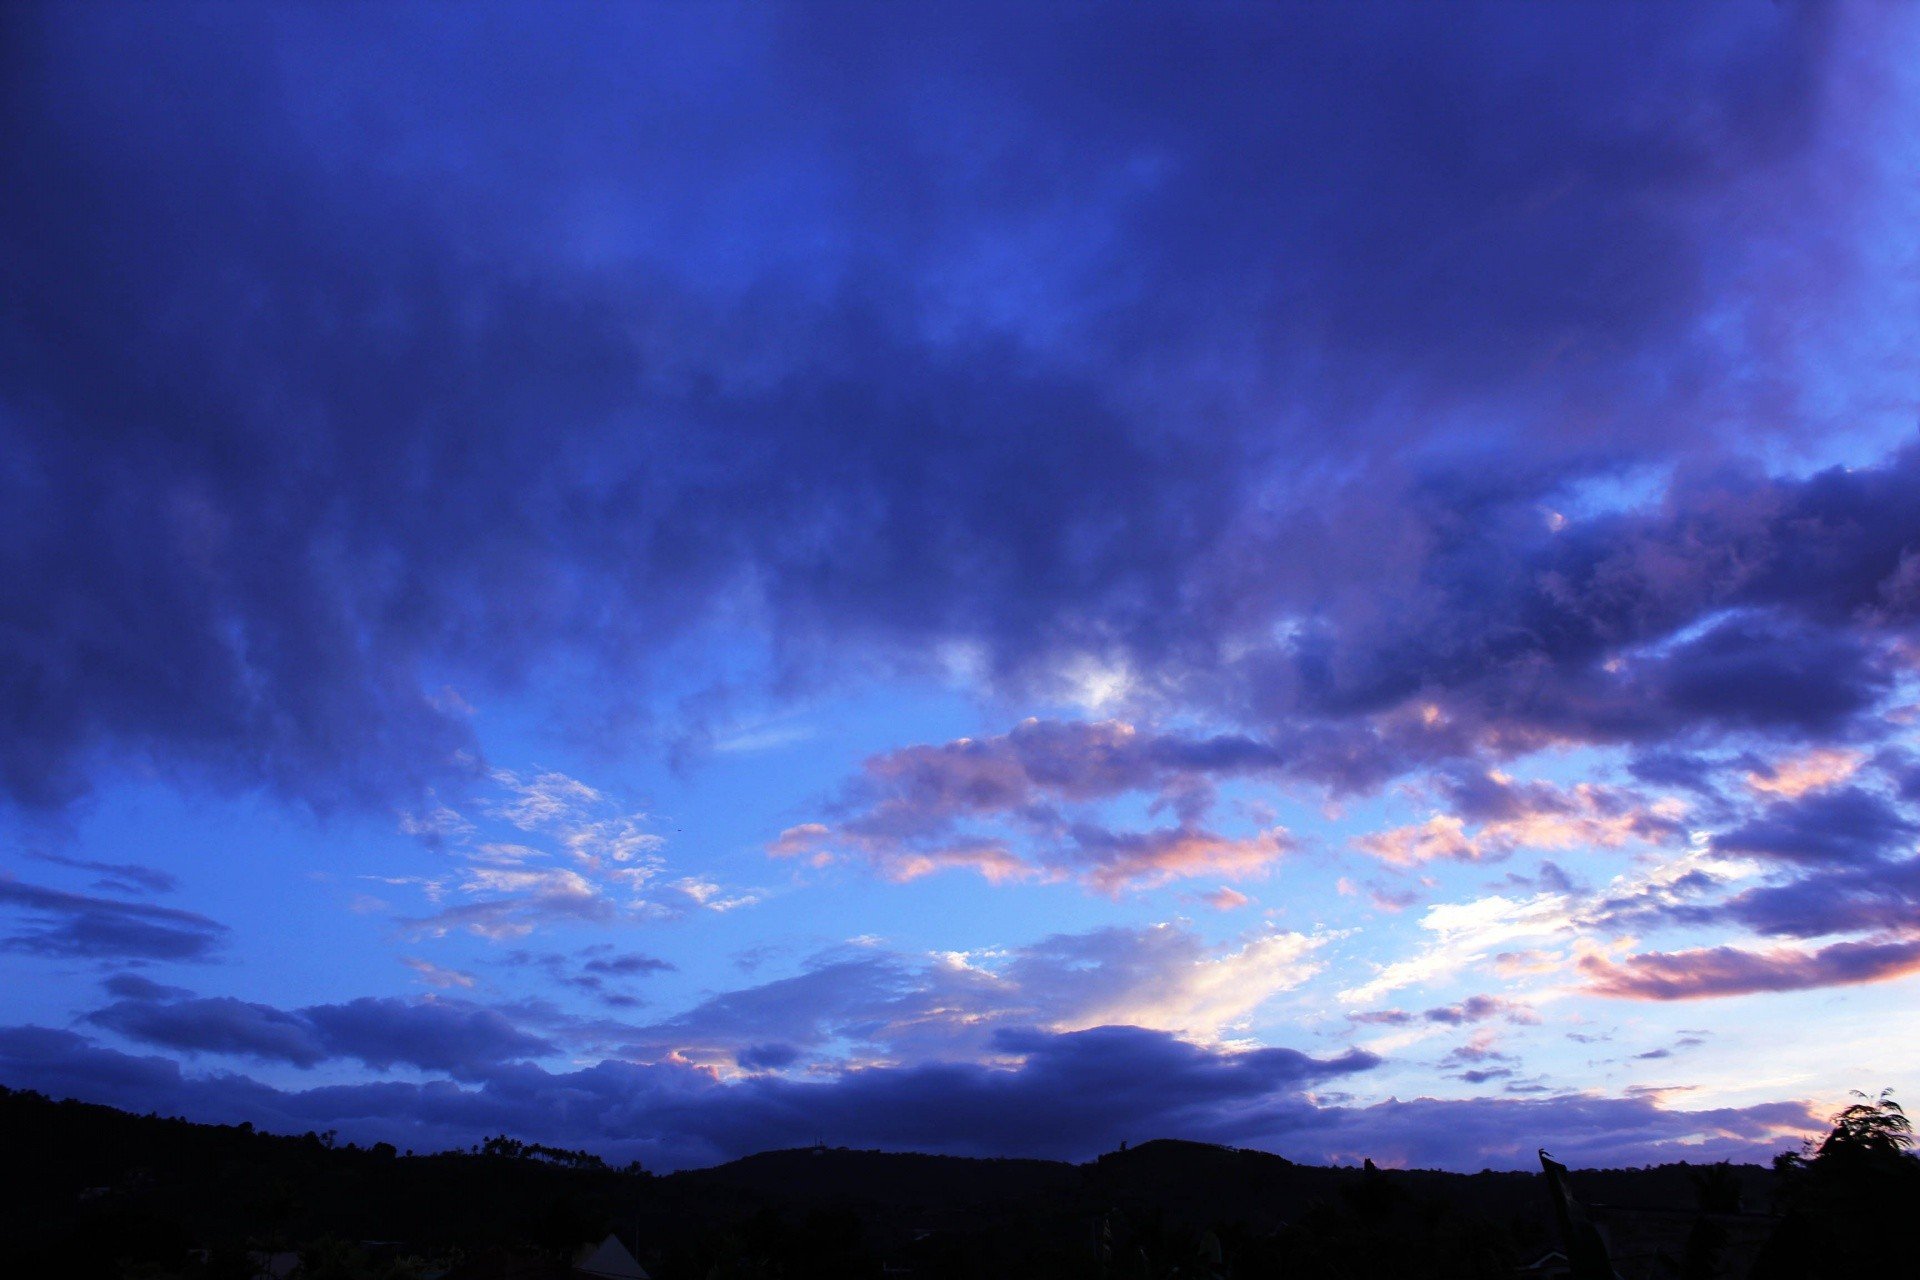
(1064, 1095)
(1815, 770)
(1252, 317)
(570, 854)
(1161, 977)
(1482, 1075)
(118, 877)
(629, 964)
(544, 800)
(917, 1008)
(1480, 1047)
(522, 902)
(1092, 1084)
(1464, 935)
(132, 986)
(219, 1024)
(1870, 897)
(1701, 889)
(1111, 861)
(1511, 816)
(598, 968)
(1230, 228)
(767, 1057)
(1843, 824)
(1442, 836)
(1006, 807)
(80, 925)
(1473, 1009)
(434, 1035)
(1480, 1009)
(1735, 606)
(1730, 971)
(434, 975)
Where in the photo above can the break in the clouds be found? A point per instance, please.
(834, 567)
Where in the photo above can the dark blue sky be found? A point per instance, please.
(681, 579)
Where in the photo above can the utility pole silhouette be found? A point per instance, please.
(1586, 1252)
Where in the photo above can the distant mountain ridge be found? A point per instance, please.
(83, 1176)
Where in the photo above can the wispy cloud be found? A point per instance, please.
(573, 857)
(439, 976)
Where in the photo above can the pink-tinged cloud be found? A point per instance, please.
(1225, 898)
(821, 845)
(1107, 861)
(1024, 805)
(1814, 770)
(993, 862)
(1112, 861)
(1709, 972)
(1039, 763)
(1442, 836)
(1505, 816)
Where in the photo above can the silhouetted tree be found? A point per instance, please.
(1871, 1132)
(1848, 1198)
(1716, 1188)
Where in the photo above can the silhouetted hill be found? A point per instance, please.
(1198, 1180)
(840, 1175)
(90, 1191)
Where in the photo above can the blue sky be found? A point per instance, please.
(681, 580)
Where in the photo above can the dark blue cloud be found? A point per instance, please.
(598, 969)
(1655, 630)
(132, 986)
(1865, 897)
(1675, 769)
(118, 877)
(1114, 329)
(435, 1035)
(1757, 673)
(81, 925)
(625, 965)
(1072, 1093)
(219, 1024)
(1839, 825)
(767, 1057)
(67, 1064)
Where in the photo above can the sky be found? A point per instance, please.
(685, 579)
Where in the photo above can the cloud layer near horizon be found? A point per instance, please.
(1062, 1096)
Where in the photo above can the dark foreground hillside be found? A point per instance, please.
(87, 1191)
